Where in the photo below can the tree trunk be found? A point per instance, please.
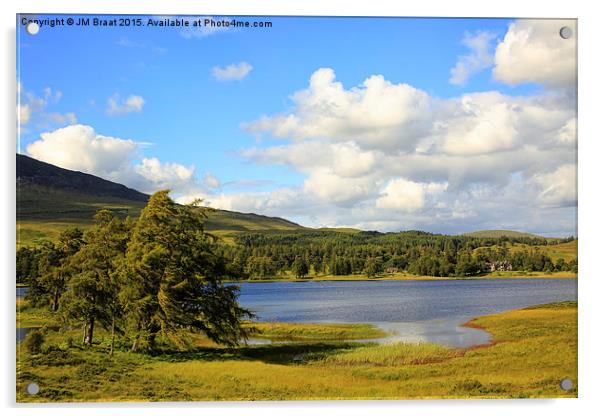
(85, 333)
(90, 332)
(135, 344)
(55, 301)
(112, 335)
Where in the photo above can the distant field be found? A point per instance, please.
(566, 251)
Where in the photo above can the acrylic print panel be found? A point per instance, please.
(295, 208)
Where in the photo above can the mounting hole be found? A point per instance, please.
(566, 384)
(32, 28)
(32, 388)
(566, 32)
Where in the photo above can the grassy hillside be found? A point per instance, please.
(500, 233)
(566, 251)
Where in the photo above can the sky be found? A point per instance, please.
(442, 125)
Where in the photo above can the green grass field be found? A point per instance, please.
(532, 350)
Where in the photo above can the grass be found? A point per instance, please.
(566, 251)
(501, 233)
(533, 349)
(308, 332)
(29, 316)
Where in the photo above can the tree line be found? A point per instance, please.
(137, 279)
(311, 253)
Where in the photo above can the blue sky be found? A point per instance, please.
(190, 117)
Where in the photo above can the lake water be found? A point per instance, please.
(416, 311)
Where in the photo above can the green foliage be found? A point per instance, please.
(300, 267)
(33, 342)
(94, 287)
(156, 276)
(54, 268)
(267, 254)
(172, 277)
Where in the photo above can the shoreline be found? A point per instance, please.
(361, 278)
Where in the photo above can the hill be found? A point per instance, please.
(50, 199)
(501, 233)
(33, 172)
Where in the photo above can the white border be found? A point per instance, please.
(589, 195)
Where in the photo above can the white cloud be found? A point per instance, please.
(78, 147)
(328, 186)
(403, 195)
(164, 175)
(533, 51)
(344, 159)
(478, 59)
(389, 156)
(33, 108)
(211, 180)
(132, 104)
(484, 123)
(558, 188)
(81, 148)
(568, 132)
(232, 72)
(24, 113)
(375, 114)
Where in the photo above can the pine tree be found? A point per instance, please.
(172, 277)
(300, 267)
(55, 268)
(94, 287)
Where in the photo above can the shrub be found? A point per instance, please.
(33, 342)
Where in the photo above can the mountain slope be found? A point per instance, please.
(50, 199)
(34, 172)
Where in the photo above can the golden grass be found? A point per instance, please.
(533, 350)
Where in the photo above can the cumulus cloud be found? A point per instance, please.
(232, 72)
(117, 106)
(479, 58)
(484, 123)
(533, 51)
(390, 156)
(403, 195)
(377, 113)
(81, 148)
(558, 188)
(567, 134)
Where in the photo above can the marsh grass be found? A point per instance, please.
(394, 354)
(533, 349)
(306, 332)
